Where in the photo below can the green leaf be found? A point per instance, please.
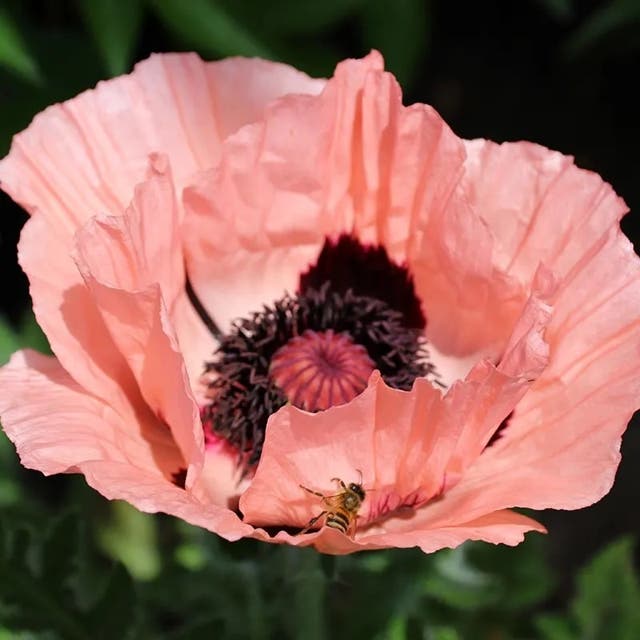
(524, 577)
(397, 629)
(30, 603)
(115, 26)
(443, 633)
(10, 489)
(190, 556)
(458, 584)
(555, 627)
(608, 600)
(31, 335)
(14, 54)
(40, 585)
(602, 23)
(8, 341)
(206, 26)
(401, 32)
(59, 554)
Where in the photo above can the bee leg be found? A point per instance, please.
(312, 522)
(325, 499)
(351, 531)
(315, 493)
(340, 482)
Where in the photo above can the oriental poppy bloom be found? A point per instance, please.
(257, 285)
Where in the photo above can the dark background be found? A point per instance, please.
(556, 72)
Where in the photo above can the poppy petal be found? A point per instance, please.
(151, 494)
(116, 257)
(409, 446)
(352, 159)
(84, 156)
(538, 205)
(67, 314)
(56, 426)
(561, 446)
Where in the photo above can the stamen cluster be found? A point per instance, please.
(243, 393)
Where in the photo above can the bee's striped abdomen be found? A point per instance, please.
(340, 510)
(338, 520)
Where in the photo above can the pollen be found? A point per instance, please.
(321, 369)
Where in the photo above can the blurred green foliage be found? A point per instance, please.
(282, 29)
(58, 583)
(114, 26)
(13, 51)
(103, 570)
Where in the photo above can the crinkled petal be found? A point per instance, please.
(561, 446)
(112, 255)
(490, 392)
(56, 426)
(376, 434)
(151, 494)
(409, 446)
(222, 480)
(352, 159)
(150, 251)
(538, 205)
(500, 527)
(83, 157)
(67, 313)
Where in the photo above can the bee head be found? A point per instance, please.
(357, 489)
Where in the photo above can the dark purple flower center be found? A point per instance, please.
(355, 311)
(368, 271)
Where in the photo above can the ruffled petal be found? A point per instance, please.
(222, 480)
(490, 392)
(119, 259)
(538, 205)
(150, 251)
(378, 434)
(410, 447)
(561, 447)
(56, 426)
(151, 494)
(500, 527)
(67, 314)
(352, 159)
(83, 157)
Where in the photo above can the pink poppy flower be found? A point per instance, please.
(255, 283)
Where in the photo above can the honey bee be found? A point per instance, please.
(342, 508)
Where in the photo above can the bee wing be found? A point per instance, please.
(335, 501)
